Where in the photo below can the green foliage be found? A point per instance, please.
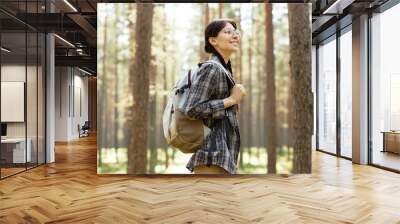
(115, 161)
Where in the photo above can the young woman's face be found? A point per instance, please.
(227, 40)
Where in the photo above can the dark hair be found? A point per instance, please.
(212, 30)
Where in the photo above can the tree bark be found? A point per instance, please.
(104, 85)
(239, 76)
(270, 103)
(116, 85)
(249, 103)
(289, 116)
(102, 93)
(300, 68)
(139, 78)
(128, 109)
(240, 49)
(152, 122)
(260, 79)
(165, 80)
(206, 13)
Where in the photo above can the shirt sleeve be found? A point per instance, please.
(199, 104)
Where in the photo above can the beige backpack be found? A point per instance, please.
(180, 131)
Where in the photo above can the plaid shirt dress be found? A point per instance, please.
(205, 101)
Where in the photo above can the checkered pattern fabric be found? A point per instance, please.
(205, 101)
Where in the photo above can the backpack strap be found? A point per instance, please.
(188, 85)
(227, 73)
(189, 79)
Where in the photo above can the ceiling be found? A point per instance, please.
(332, 15)
(74, 22)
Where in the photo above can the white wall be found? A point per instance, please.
(80, 110)
(71, 94)
(13, 72)
(61, 103)
(10, 73)
(33, 126)
(12, 101)
(16, 73)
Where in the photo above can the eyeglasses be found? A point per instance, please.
(231, 32)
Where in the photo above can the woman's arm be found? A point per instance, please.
(199, 104)
(228, 102)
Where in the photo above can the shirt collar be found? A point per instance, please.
(217, 57)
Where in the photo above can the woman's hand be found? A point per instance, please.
(237, 93)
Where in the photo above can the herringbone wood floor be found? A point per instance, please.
(70, 191)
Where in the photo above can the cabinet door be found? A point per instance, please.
(392, 142)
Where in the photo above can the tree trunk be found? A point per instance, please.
(300, 68)
(102, 93)
(270, 103)
(206, 13)
(165, 86)
(289, 116)
(259, 72)
(240, 69)
(152, 122)
(139, 77)
(116, 85)
(128, 109)
(165, 83)
(220, 9)
(249, 102)
(165, 98)
(104, 80)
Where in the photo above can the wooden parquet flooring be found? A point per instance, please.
(70, 191)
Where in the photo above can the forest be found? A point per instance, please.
(144, 49)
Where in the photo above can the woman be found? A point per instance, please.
(214, 98)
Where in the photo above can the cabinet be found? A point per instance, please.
(391, 142)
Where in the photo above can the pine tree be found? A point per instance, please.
(300, 68)
(270, 102)
(139, 80)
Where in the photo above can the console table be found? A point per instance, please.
(391, 141)
(13, 150)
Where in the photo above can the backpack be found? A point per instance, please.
(180, 131)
